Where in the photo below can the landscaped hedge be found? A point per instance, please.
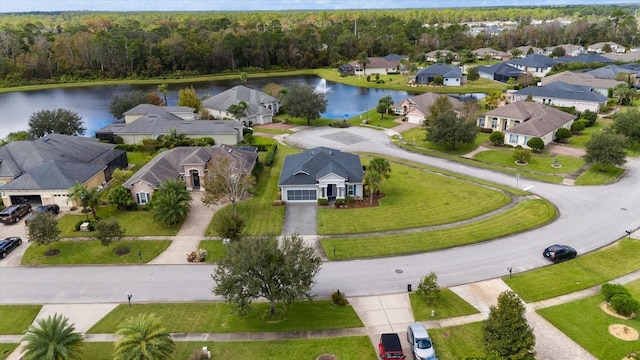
(271, 155)
(620, 299)
(609, 290)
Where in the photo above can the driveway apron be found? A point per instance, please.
(301, 219)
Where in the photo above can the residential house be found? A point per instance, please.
(451, 75)
(416, 108)
(559, 93)
(598, 47)
(189, 164)
(493, 54)
(601, 86)
(521, 121)
(346, 70)
(260, 110)
(43, 171)
(376, 65)
(586, 58)
(535, 64)
(500, 72)
(439, 55)
(147, 121)
(569, 50)
(321, 173)
(626, 57)
(526, 50)
(615, 72)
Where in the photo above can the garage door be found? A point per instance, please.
(300, 195)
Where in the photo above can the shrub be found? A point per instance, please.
(536, 144)
(609, 290)
(521, 155)
(197, 256)
(340, 202)
(338, 298)
(562, 134)
(271, 155)
(590, 117)
(624, 304)
(578, 126)
(323, 201)
(428, 288)
(497, 138)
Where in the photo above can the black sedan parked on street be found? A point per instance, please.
(558, 253)
(8, 244)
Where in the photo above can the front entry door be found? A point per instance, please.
(331, 191)
(195, 178)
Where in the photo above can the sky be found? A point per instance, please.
(252, 5)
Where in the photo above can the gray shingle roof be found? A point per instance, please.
(308, 166)
(501, 69)
(422, 102)
(54, 175)
(150, 124)
(538, 119)
(254, 98)
(534, 60)
(610, 72)
(586, 58)
(444, 70)
(580, 79)
(562, 90)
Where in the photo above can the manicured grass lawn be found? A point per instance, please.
(93, 252)
(459, 342)
(539, 163)
(585, 323)
(6, 350)
(416, 137)
(526, 215)
(413, 198)
(217, 317)
(581, 139)
(266, 130)
(593, 176)
(374, 119)
(138, 158)
(215, 249)
(447, 306)
(346, 348)
(136, 223)
(580, 273)
(16, 319)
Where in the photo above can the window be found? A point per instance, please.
(300, 195)
(481, 122)
(513, 139)
(143, 197)
(351, 190)
(494, 123)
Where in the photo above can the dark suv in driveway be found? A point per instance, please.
(8, 244)
(14, 213)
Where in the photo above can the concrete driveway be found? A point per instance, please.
(301, 219)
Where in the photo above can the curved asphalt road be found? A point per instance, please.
(590, 217)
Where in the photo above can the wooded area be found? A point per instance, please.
(75, 46)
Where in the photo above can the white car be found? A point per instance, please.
(421, 345)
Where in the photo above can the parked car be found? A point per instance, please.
(51, 208)
(390, 347)
(14, 213)
(558, 253)
(8, 244)
(421, 344)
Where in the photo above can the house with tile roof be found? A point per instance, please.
(521, 121)
(626, 57)
(261, 106)
(598, 47)
(321, 173)
(601, 86)
(451, 75)
(487, 52)
(535, 64)
(560, 93)
(499, 72)
(147, 121)
(43, 171)
(416, 108)
(188, 164)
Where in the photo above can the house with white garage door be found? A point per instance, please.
(43, 171)
(321, 173)
(559, 93)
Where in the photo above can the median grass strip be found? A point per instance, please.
(345, 348)
(135, 223)
(217, 317)
(538, 163)
(17, 318)
(413, 198)
(585, 323)
(448, 305)
(6, 350)
(580, 273)
(417, 137)
(595, 176)
(459, 342)
(93, 252)
(527, 215)
(215, 249)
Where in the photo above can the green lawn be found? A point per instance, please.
(539, 163)
(585, 323)
(6, 350)
(416, 137)
(449, 305)
(346, 348)
(526, 215)
(215, 249)
(580, 273)
(581, 139)
(16, 319)
(217, 317)
(459, 342)
(93, 252)
(594, 175)
(136, 223)
(138, 158)
(414, 198)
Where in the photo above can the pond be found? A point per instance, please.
(92, 102)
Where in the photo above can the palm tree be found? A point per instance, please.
(363, 60)
(372, 179)
(382, 167)
(164, 90)
(52, 338)
(87, 198)
(244, 77)
(143, 338)
(238, 110)
(173, 138)
(171, 203)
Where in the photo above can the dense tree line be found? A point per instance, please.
(69, 46)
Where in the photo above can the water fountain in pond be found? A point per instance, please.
(322, 87)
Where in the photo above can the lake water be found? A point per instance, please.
(92, 103)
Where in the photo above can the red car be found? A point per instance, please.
(390, 347)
